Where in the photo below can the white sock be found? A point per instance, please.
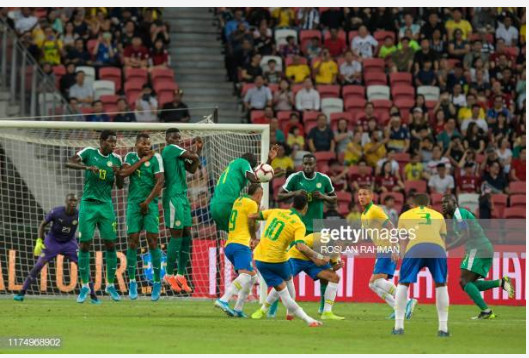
(243, 293)
(291, 291)
(271, 298)
(386, 285)
(330, 295)
(235, 286)
(293, 307)
(401, 299)
(442, 303)
(386, 296)
(87, 285)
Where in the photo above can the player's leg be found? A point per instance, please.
(70, 253)
(438, 268)
(185, 252)
(108, 230)
(296, 266)
(410, 267)
(220, 213)
(87, 225)
(173, 220)
(156, 260)
(385, 289)
(33, 273)
(332, 280)
(133, 242)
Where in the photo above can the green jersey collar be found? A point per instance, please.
(295, 212)
(368, 207)
(101, 154)
(304, 176)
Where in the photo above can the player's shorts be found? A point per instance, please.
(137, 222)
(177, 211)
(274, 273)
(92, 214)
(476, 263)
(220, 212)
(53, 248)
(307, 266)
(240, 256)
(424, 255)
(384, 265)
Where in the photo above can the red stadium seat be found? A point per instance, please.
(351, 35)
(111, 74)
(436, 198)
(328, 91)
(162, 73)
(402, 92)
(305, 36)
(399, 197)
(381, 35)
(404, 78)
(90, 45)
(109, 98)
(517, 200)
(514, 213)
(402, 158)
(165, 85)
(139, 73)
(341, 35)
(290, 59)
(58, 71)
(499, 202)
(245, 88)
(344, 196)
(274, 87)
(353, 92)
(375, 78)
(354, 104)
(335, 118)
(370, 65)
(255, 115)
(296, 88)
(324, 156)
(418, 185)
(517, 187)
(309, 116)
(165, 97)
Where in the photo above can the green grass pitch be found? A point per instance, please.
(176, 326)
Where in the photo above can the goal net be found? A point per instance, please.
(34, 179)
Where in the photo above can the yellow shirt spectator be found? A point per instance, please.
(327, 72)
(466, 113)
(298, 72)
(413, 171)
(463, 25)
(353, 153)
(284, 163)
(298, 140)
(374, 157)
(522, 33)
(51, 50)
(284, 16)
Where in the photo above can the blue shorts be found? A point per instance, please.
(309, 267)
(240, 256)
(424, 255)
(384, 265)
(274, 273)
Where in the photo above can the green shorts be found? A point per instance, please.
(220, 212)
(98, 214)
(137, 222)
(177, 211)
(476, 263)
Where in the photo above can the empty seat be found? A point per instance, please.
(514, 213)
(404, 78)
(162, 73)
(418, 185)
(351, 35)
(373, 65)
(109, 98)
(331, 105)
(517, 200)
(281, 36)
(377, 92)
(136, 73)
(328, 91)
(517, 187)
(375, 78)
(499, 201)
(165, 85)
(354, 104)
(111, 74)
(353, 92)
(50, 103)
(402, 92)
(103, 87)
(89, 73)
(430, 93)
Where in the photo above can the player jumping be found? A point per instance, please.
(283, 227)
(478, 256)
(241, 235)
(145, 169)
(176, 206)
(373, 217)
(60, 240)
(101, 166)
(426, 230)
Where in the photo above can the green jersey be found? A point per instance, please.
(175, 170)
(476, 239)
(99, 186)
(232, 181)
(319, 182)
(143, 180)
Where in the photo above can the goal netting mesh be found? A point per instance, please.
(34, 179)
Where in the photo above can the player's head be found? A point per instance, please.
(300, 203)
(173, 136)
(421, 200)
(71, 201)
(309, 164)
(107, 141)
(449, 204)
(250, 157)
(143, 144)
(255, 190)
(365, 195)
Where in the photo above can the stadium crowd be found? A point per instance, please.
(402, 99)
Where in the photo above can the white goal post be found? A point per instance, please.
(34, 179)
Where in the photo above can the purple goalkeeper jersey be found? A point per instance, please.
(64, 225)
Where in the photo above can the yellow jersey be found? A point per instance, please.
(374, 219)
(294, 253)
(424, 225)
(238, 228)
(282, 228)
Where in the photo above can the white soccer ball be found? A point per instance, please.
(264, 172)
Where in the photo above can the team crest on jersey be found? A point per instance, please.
(74, 222)
(109, 163)
(177, 223)
(318, 185)
(147, 164)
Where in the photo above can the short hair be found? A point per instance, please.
(365, 187)
(300, 201)
(170, 131)
(388, 198)
(309, 156)
(96, 101)
(272, 61)
(105, 134)
(252, 189)
(142, 136)
(421, 199)
(250, 157)
(70, 195)
(441, 165)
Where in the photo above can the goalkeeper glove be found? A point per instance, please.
(39, 246)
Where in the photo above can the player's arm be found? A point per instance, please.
(330, 198)
(158, 186)
(192, 159)
(39, 245)
(250, 175)
(127, 169)
(76, 162)
(272, 154)
(120, 180)
(312, 255)
(457, 238)
(285, 194)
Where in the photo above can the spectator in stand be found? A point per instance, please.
(297, 72)
(520, 90)
(386, 181)
(308, 18)
(468, 111)
(333, 18)
(389, 208)
(426, 149)
(409, 25)
(52, 47)
(518, 167)
(267, 116)
(308, 99)
(445, 105)
(450, 131)
(290, 48)
(74, 112)
(158, 56)
(97, 113)
(263, 43)
(399, 135)
(402, 59)
(495, 180)
(158, 31)
(362, 178)
(389, 157)
(283, 17)
(455, 151)
(241, 58)
(458, 23)
(237, 37)
(491, 156)
(474, 138)
(146, 105)
(105, 53)
(176, 110)
(321, 137)
(438, 43)
(441, 182)
(458, 47)
(334, 44)
(426, 54)
(233, 24)
(505, 154)
(468, 158)
(369, 113)
(283, 98)
(477, 116)
(79, 23)
(350, 70)
(26, 22)
(272, 74)
(426, 75)
(364, 44)
(129, 31)
(258, 97)
(295, 139)
(325, 69)
(125, 114)
(294, 121)
(282, 162)
(456, 77)
(279, 137)
(375, 149)
(476, 53)
(433, 24)
(497, 108)
(314, 48)
(136, 55)
(507, 32)
(383, 19)
(68, 79)
(79, 55)
(500, 129)
(414, 169)
(468, 182)
(82, 90)
(338, 175)
(343, 136)
(387, 48)
(354, 150)
(437, 158)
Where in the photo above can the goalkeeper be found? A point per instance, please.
(60, 240)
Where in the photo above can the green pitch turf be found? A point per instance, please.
(173, 326)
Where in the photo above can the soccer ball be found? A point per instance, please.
(264, 172)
